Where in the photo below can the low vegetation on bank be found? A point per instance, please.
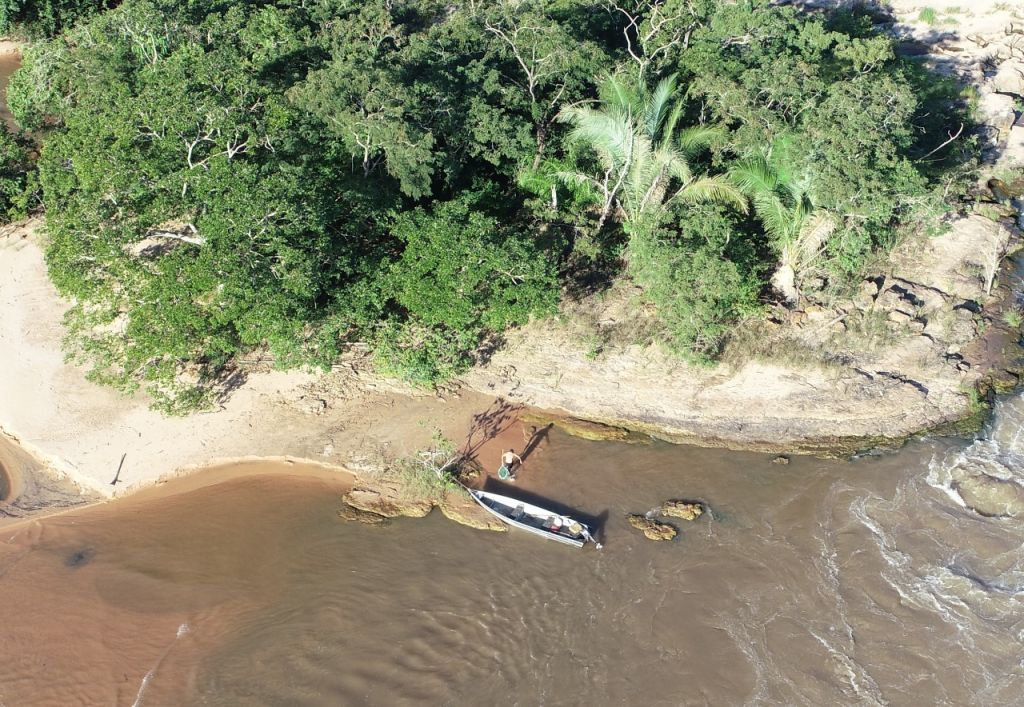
(296, 177)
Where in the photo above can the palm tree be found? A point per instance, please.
(799, 230)
(642, 155)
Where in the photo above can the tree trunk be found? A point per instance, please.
(784, 281)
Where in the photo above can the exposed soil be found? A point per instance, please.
(905, 354)
(913, 351)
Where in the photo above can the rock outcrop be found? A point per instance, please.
(375, 496)
(652, 529)
(386, 502)
(907, 352)
(357, 515)
(687, 510)
(459, 507)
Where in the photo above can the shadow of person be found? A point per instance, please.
(538, 436)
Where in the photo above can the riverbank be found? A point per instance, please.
(69, 441)
(931, 332)
(915, 350)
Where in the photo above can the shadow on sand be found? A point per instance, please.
(488, 424)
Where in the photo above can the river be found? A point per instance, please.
(817, 582)
(9, 63)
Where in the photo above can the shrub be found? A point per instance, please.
(461, 276)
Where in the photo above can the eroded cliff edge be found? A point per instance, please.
(931, 332)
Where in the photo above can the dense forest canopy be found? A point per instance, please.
(419, 176)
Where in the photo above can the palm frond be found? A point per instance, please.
(814, 234)
(716, 189)
(609, 135)
(615, 92)
(569, 178)
(676, 164)
(658, 105)
(580, 185)
(668, 130)
(802, 206)
(699, 137)
(754, 176)
(774, 216)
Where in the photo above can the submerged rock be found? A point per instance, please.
(992, 497)
(652, 529)
(80, 557)
(358, 515)
(780, 460)
(687, 510)
(389, 506)
(459, 507)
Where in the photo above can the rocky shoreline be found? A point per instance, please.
(930, 336)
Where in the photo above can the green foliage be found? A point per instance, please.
(294, 177)
(19, 182)
(697, 289)
(462, 277)
(640, 159)
(46, 18)
(799, 232)
(182, 210)
(862, 123)
(427, 475)
(1013, 317)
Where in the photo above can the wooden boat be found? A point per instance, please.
(534, 519)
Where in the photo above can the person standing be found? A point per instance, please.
(510, 462)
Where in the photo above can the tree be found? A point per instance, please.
(550, 64)
(46, 17)
(292, 177)
(799, 231)
(19, 181)
(860, 120)
(641, 151)
(697, 293)
(461, 277)
(361, 95)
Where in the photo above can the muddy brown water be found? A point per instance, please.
(9, 63)
(818, 582)
(5, 484)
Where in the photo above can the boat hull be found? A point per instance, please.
(531, 518)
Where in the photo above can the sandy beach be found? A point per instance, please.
(106, 444)
(81, 431)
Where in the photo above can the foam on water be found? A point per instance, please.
(182, 630)
(997, 457)
(944, 557)
(821, 582)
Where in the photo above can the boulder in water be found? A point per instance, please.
(358, 515)
(992, 497)
(387, 504)
(459, 507)
(652, 529)
(687, 510)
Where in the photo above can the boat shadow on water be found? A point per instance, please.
(594, 522)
